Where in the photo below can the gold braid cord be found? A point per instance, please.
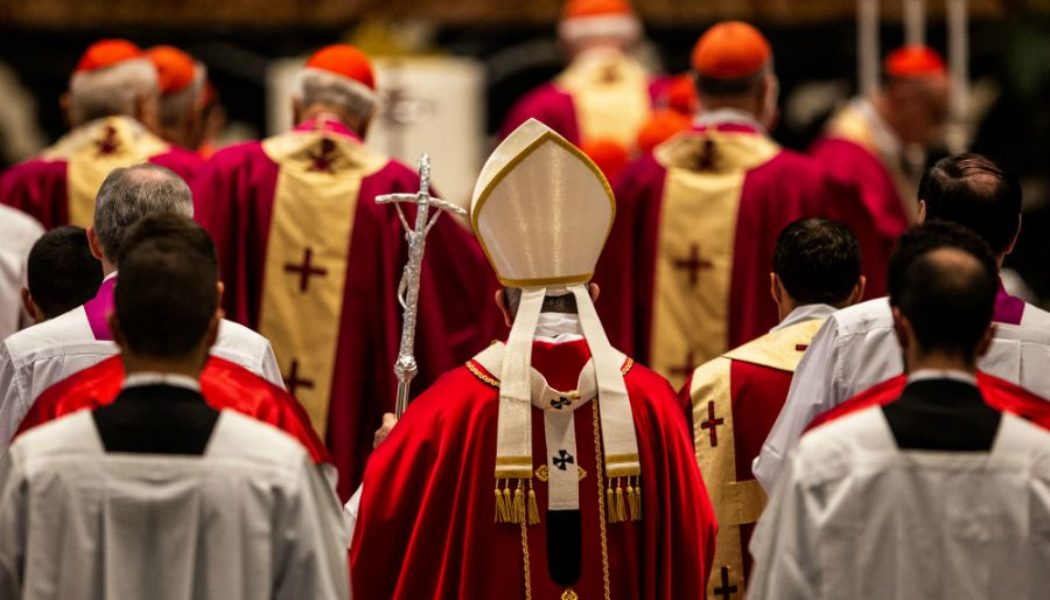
(600, 473)
(525, 560)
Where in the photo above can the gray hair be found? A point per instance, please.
(175, 107)
(131, 193)
(314, 86)
(111, 91)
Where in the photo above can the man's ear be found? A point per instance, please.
(1017, 234)
(94, 244)
(220, 289)
(858, 291)
(920, 217)
(65, 104)
(31, 307)
(902, 327)
(774, 288)
(501, 302)
(116, 332)
(297, 111)
(986, 341)
(595, 291)
(146, 111)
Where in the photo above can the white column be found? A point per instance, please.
(914, 22)
(958, 134)
(867, 45)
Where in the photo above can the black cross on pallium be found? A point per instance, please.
(322, 160)
(693, 264)
(108, 144)
(560, 402)
(726, 591)
(293, 382)
(305, 270)
(563, 459)
(712, 423)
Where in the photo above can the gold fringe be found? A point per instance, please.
(508, 507)
(610, 502)
(634, 498)
(502, 516)
(519, 504)
(534, 509)
(621, 508)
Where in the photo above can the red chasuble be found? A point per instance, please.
(59, 186)
(313, 263)
(998, 393)
(685, 275)
(733, 402)
(428, 492)
(224, 385)
(609, 97)
(849, 151)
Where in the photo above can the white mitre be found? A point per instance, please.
(542, 211)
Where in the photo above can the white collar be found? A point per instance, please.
(806, 312)
(110, 276)
(145, 378)
(953, 374)
(885, 139)
(723, 116)
(558, 328)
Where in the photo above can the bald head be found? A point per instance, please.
(129, 194)
(947, 294)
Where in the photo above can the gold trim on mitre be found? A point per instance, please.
(522, 143)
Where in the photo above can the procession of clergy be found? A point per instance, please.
(202, 408)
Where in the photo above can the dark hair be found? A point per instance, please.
(165, 297)
(62, 273)
(817, 261)
(975, 192)
(948, 299)
(566, 303)
(169, 226)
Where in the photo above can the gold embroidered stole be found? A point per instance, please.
(736, 503)
(93, 151)
(611, 96)
(314, 204)
(694, 257)
(850, 124)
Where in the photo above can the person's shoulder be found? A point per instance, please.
(237, 155)
(1034, 318)
(19, 229)
(650, 390)
(240, 344)
(877, 395)
(32, 170)
(829, 451)
(248, 440)
(177, 156)
(43, 338)
(863, 317)
(458, 392)
(69, 435)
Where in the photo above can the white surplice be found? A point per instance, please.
(857, 349)
(36, 358)
(18, 233)
(251, 519)
(854, 518)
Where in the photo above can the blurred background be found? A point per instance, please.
(457, 65)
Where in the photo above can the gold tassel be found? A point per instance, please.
(630, 499)
(621, 508)
(508, 515)
(501, 505)
(634, 496)
(519, 503)
(609, 502)
(534, 509)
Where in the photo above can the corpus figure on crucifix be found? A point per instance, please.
(734, 399)
(313, 263)
(698, 217)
